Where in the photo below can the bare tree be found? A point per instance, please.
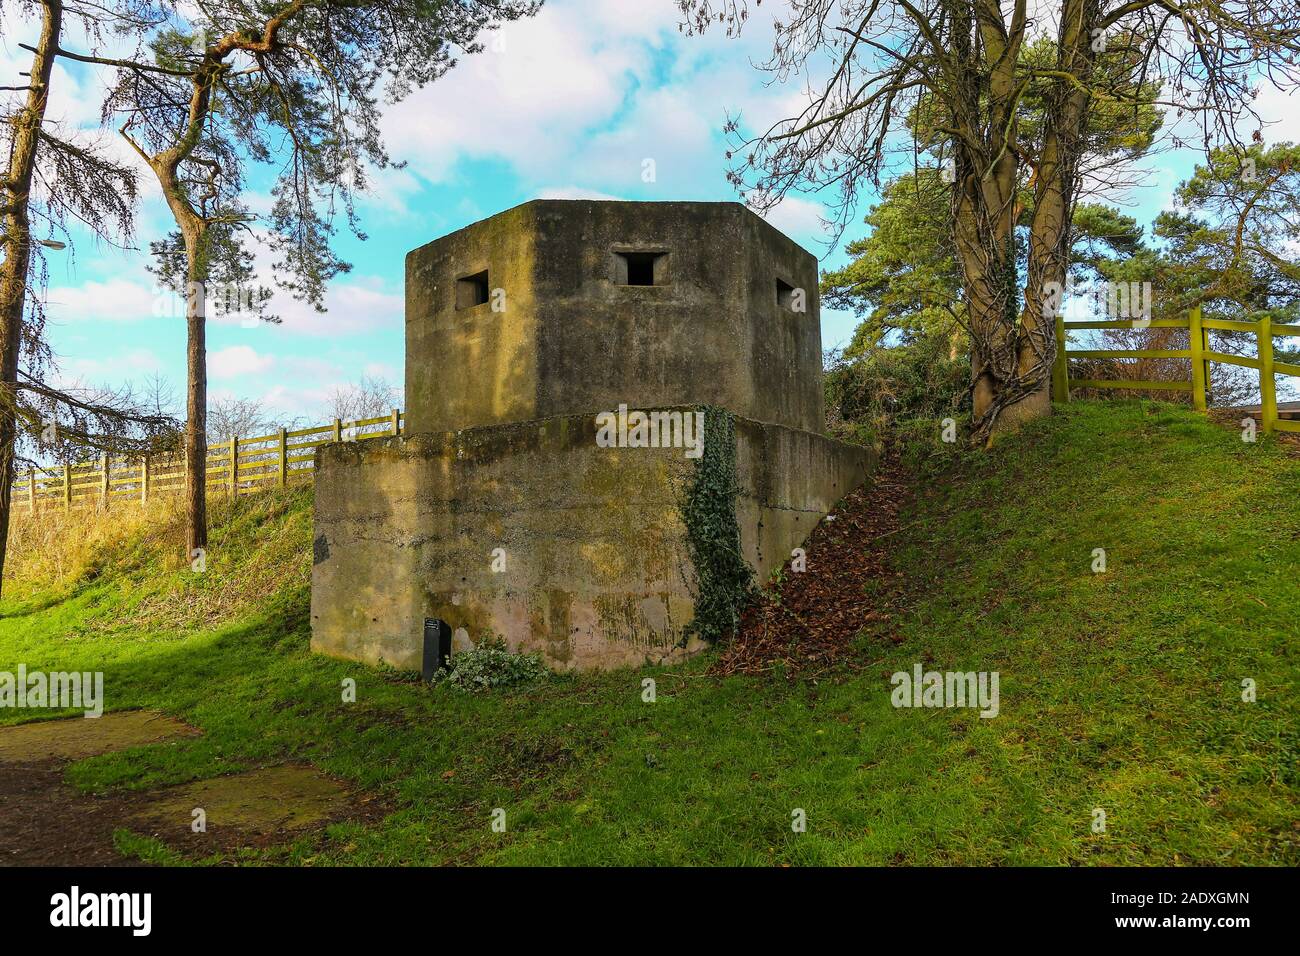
(79, 421)
(371, 397)
(237, 418)
(159, 396)
(892, 80)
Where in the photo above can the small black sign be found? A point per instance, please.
(437, 646)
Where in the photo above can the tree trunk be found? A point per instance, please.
(196, 392)
(194, 230)
(18, 250)
(1004, 388)
(1055, 189)
(985, 239)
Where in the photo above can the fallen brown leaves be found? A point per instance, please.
(810, 618)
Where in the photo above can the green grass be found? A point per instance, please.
(1119, 690)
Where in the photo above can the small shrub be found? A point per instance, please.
(490, 665)
(876, 395)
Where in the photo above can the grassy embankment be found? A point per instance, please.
(1119, 690)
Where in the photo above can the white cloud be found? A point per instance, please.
(584, 85)
(237, 360)
(360, 304)
(113, 300)
(116, 368)
(383, 370)
(1277, 109)
(528, 104)
(297, 401)
(390, 192)
(669, 128)
(352, 308)
(306, 366)
(575, 192)
(799, 219)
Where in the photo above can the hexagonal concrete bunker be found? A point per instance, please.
(558, 307)
(499, 510)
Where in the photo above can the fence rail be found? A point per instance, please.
(288, 455)
(1199, 352)
(236, 467)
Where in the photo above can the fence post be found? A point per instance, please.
(1267, 386)
(1196, 345)
(284, 457)
(144, 480)
(67, 487)
(338, 430)
(1061, 364)
(396, 423)
(31, 490)
(234, 466)
(103, 479)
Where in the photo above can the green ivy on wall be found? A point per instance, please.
(708, 509)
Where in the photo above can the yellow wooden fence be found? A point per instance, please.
(235, 467)
(1199, 352)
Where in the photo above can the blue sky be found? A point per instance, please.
(569, 105)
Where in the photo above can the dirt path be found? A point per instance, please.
(45, 822)
(42, 819)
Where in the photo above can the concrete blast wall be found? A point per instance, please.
(534, 532)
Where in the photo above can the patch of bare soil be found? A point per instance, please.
(808, 620)
(43, 821)
(46, 822)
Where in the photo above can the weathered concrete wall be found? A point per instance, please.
(597, 572)
(471, 365)
(785, 347)
(572, 340)
(504, 380)
(789, 480)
